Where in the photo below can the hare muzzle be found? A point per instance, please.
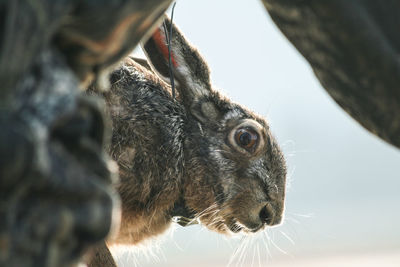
(246, 213)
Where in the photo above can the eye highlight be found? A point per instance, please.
(246, 138)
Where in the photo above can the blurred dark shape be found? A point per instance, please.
(353, 48)
(102, 257)
(56, 197)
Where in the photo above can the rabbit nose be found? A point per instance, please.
(267, 215)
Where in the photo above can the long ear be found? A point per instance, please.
(190, 72)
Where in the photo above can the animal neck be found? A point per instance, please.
(147, 144)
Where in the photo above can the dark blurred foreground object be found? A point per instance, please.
(56, 197)
(354, 50)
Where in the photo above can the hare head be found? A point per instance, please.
(234, 174)
(198, 155)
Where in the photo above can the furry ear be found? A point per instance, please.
(191, 74)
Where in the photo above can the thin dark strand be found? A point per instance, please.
(166, 33)
(171, 77)
(171, 73)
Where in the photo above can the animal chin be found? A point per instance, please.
(235, 227)
(239, 227)
(223, 222)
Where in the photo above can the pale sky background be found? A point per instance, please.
(343, 195)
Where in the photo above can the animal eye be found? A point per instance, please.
(246, 138)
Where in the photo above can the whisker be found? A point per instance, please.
(276, 246)
(254, 255)
(267, 239)
(210, 213)
(214, 205)
(239, 186)
(241, 256)
(310, 215)
(292, 220)
(287, 237)
(259, 256)
(235, 253)
(289, 178)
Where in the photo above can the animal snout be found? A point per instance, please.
(269, 216)
(261, 215)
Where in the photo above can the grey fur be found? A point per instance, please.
(183, 150)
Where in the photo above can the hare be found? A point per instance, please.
(198, 155)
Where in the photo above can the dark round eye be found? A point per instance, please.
(246, 138)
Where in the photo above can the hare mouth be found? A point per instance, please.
(236, 227)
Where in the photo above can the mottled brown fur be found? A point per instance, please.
(186, 151)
